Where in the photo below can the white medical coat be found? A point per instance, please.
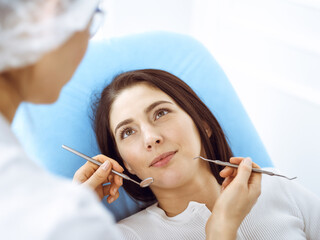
(37, 205)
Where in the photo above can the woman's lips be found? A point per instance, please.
(162, 159)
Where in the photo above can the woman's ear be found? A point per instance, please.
(129, 168)
(208, 129)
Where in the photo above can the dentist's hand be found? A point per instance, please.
(95, 177)
(229, 173)
(240, 191)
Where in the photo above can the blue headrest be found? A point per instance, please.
(42, 129)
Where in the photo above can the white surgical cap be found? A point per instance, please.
(31, 28)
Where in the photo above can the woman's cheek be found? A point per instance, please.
(131, 157)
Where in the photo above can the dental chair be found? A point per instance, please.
(42, 129)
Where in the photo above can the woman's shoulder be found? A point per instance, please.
(275, 186)
(285, 210)
(281, 193)
(276, 183)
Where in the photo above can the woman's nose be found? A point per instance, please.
(152, 138)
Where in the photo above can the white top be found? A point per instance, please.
(284, 210)
(36, 205)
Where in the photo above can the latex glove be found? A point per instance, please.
(96, 177)
(240, 191)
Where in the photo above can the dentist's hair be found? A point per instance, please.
(215, 146)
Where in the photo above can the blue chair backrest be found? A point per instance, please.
(42, 129)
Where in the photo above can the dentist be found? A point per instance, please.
(41, 44)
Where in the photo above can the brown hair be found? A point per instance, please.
(215, 146)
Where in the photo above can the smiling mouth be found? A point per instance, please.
(162, 159)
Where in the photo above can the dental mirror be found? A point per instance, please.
(144, 183)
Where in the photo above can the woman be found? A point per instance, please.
(154, 125)
(41, 44)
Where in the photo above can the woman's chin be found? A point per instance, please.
(169, 181)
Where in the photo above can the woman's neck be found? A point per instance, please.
(9, 98)
(204, 189)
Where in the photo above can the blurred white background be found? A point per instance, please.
(269, 49)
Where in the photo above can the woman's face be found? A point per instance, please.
(155, 137)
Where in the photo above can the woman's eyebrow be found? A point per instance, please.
(153, 105)
(148, 109)
(124, 122)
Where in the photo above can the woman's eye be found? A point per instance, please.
(161, 113)
(126, 133)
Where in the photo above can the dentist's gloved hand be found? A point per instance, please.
(96, 177)
(240, 191)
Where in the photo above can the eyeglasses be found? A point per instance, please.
(96, 21)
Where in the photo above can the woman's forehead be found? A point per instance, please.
(140, 94)
(134, 99)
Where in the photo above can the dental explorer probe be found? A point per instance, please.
(218, 162)
(144, 183)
